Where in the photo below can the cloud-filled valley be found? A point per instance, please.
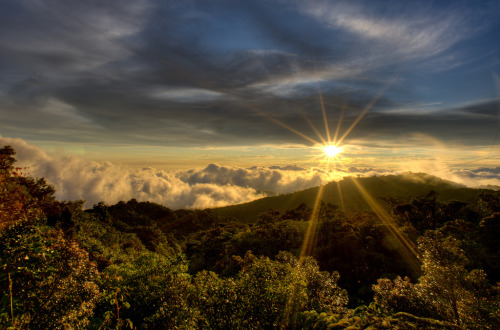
(76, 178)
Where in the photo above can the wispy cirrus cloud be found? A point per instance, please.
(189, 95)
(60, 37)
(212, 74)
(413, 34)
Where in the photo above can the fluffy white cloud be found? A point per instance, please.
(76, 178)
(274, 179)
(473, 178)
(481, 177)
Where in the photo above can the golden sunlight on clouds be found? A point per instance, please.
(332, 150)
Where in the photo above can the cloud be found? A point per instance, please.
(189, 95)
(62, 38)
(213, 186)
(477, 177)
(470, 177)
(413, 33)
(272, 179)
(205, 74)
(156, 73)
(129, 68)
(360, 170)
(456, 125)
(75, 178)
(287, 168)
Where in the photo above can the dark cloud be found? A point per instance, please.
(360, 170)
(59, 37)
(197, 73)
(488, 110)
(495, 170)
(470, 125)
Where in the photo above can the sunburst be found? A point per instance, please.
(332, 151)
(331, 146)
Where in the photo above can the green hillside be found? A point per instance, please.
(401, 187)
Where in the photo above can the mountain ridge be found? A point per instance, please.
(345, 194)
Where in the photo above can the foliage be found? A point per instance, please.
(150, 282)
(53, 283)
(16, 202)
(112, 317)
(266, 293)
(141, 265)
(446, 291)
(361, 249)
(370, 317)
(46, 280)
(210, 249)
(140, 219)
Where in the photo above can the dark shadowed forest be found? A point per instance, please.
(419, 261)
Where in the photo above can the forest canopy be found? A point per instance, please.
(419, 263)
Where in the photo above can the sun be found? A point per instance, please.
(332, 150)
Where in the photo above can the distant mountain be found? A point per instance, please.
(401, 187)
(490, 187)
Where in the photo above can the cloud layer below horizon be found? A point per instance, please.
(76, 178)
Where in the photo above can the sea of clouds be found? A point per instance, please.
(76, 178)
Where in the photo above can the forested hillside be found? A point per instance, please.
(347, 196)
(420, 261)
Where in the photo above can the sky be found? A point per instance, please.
(202, 103)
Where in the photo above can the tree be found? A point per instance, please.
(46, 280)
(50, 279)
(7, 161)
(447, 290)
(156, 289)
(454, 290)
(15, 201)
(22, 197)
(266, 293)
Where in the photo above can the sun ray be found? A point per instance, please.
(293, 130)
(408, 250)
(365, 110)
(341, 197)
(310, 236)
(327, 129)
(315, 129)
(341, 117)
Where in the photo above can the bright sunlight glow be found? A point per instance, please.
(332, 151)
